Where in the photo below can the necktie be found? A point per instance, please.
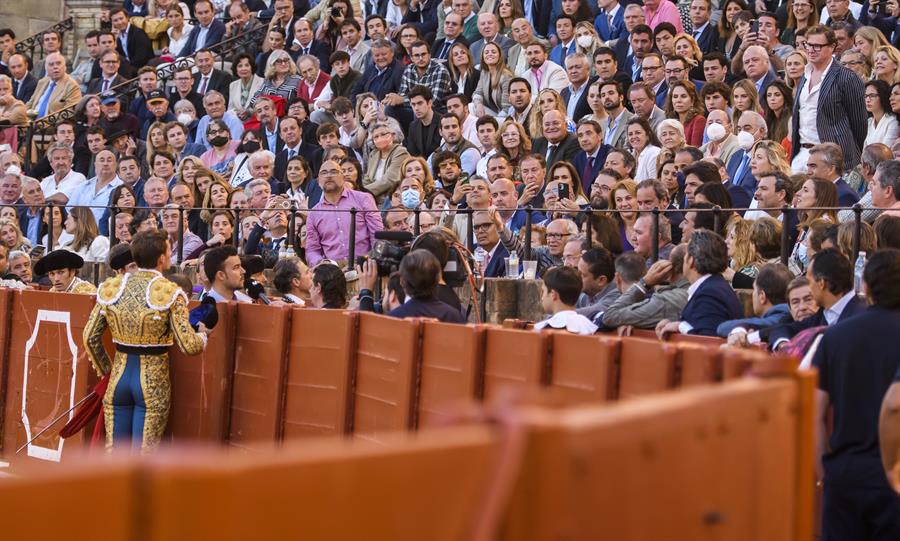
(105, 85)
(291, 153)
(487, 261)
(537, 77)
(588, 167)
(124, 40)
(444, 49)
(203, 83)
(550, 151)
(609, 21)
(740, 170)
(45, 100)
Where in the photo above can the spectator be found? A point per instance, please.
(293, 279)
(85, 237)
(61, 268)
(424, 132)
(383, 169)
(487, 237)
(131, 42)
(884, 186)
(560, 291)
(826, 162)
(223, 268)
(642, 237)
(170, 215)
(857, 365)
(329, 287)
(598, 288)
(95, 192)
(208, 31)
(57, 90)
(326, 232)
(420, 273)
(830, 276)
(770, 306)
(20, 265)
(710, 299)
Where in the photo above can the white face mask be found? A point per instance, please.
(585, 41)
(185, 118)
(745, 140)
(715, 132)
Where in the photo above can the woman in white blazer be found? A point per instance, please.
(245, 85)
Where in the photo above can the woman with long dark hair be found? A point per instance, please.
(683, 104)
(883, 127)
(778, 106)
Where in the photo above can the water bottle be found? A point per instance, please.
(513, 270)
(858, 285)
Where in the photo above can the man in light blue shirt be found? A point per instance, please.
(214, 103)
(96, 191)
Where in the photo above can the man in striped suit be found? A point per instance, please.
(829, 107)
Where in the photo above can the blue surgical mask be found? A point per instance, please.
(410, 198)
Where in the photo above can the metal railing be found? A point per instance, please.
(587, 215)
(36, 41)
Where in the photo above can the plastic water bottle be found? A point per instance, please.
(858, 285)
(513, 270)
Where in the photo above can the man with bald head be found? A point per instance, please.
(96, 191)
(558, 234)
(738, 166)
(522, 35)
(489, 28)
(453, 27)
(57, 90)
(557, 144)
(505, 198)
(723, 143)
(758, 68)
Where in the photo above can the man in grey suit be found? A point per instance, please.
(523, 34)
(616, 126)
(829, 107)
(489, 28)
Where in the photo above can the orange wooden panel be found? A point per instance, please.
(698, 364)
(515, 359)
(584, 367)
(386, 375)
(6, 296)
(645, 366)
(201, 384)
(259, 366)
(452, 368)
(48, 372)
(321, 370)
(678, 338)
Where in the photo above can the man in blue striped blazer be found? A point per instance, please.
(829, 107)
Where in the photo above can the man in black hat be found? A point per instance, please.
(61, 267)
(120, 259)
(158, 105)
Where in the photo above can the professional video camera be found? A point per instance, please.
(389, 249)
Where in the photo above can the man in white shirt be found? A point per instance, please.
(96, 191)
(58, 186)
(458, 104)
(486, 127)
(292, 278)
(561, 289)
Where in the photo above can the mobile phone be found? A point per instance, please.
(361, 261)
(882, 6)
(562, 191)
(754, 26)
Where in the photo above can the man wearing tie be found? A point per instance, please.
(738, 166)
(557, 144)
(206, 34)
(565, 32)
(305, 43)
(57, 90)
(705, 34)
(610, 22)
(453, 25)
(590, 159)
(24, 82)
(132, 43)
(109, 73)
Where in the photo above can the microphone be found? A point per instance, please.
(256, 291)
(396, 236)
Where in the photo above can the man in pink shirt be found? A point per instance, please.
(659, 11)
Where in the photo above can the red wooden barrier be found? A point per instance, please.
(585, 367)
(452, 368)
(516, 359)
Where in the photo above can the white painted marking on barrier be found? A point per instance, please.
(50, 316)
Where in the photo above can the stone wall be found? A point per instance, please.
(27, 17)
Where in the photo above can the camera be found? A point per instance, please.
(389, 249)
(337, 12)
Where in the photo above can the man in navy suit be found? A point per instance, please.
(857, 362)
(206, 34)
(384, 73)
(131, 42)
(826, 162)
(537, 12)
(830, 276)
(565, 32)
(738, 166)
(590, 159)
(711, 300)
(705, 32)
(24, 82)
(758, 68)
(632, 51)
(305, 43)
(488, 239)
(610, 22)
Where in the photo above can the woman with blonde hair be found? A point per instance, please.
(767, 157)
(547, 100)
(745, 98)
(587, 40)
(887, 64)
(794, 67)
(513, 142)
(463, 75)
(867, 40)
(492, 92)
(156, 141)
(623, 198)
(11, 236)
(187, 169)
(281, 77)
(686, 47)
(86, 239)
(417, 167)
(744, 258)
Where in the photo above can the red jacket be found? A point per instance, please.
(693, 131)
(310, 95)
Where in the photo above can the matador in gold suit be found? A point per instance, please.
(145, 313)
